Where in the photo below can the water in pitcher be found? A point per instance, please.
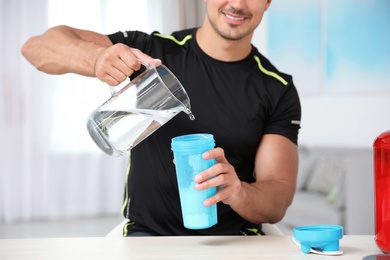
(116, 132)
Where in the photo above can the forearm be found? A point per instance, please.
(263, 202)
(267, 199)
(60, 50)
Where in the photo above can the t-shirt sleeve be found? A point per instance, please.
(285, 117)
(134, 39)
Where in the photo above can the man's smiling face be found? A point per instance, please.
(235, 19)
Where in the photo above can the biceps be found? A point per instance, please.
(276, 159)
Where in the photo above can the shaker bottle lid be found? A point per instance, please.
(319, 237)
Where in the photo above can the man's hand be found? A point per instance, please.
(117, 62)
(221, 175)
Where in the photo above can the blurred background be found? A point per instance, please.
(50, 170)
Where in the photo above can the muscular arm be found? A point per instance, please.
(63, 49)
(267, 199)
(276, 166)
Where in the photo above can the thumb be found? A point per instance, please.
(145, 59)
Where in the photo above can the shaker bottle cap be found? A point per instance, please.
(323, 239)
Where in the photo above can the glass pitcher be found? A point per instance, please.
(137, 110)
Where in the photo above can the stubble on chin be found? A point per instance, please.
(228, 31)
(231, 33)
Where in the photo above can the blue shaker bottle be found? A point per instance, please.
(188, 150)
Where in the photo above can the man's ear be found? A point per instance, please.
(268, 4)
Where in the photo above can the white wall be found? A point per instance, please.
(336, 120)
(351, 121)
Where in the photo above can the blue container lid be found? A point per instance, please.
(318, 233)
(318, 236)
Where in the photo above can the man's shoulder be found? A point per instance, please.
(267, 68)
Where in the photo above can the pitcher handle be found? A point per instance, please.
(113, 91)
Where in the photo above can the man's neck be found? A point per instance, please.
(222, 49)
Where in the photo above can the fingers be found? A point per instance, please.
(145, 59)
(114, 73)
(115, 64)
(118, 62)
(221, 166)
(217, 153)
(224, 191)
(221, 175)
(221, 195)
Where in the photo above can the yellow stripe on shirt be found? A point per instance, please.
(170, 37)
(270, 73)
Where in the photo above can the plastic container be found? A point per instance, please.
(188, 150)
(382, 191)
(324, 238)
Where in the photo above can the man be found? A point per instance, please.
(236, 94)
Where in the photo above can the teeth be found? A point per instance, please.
(234, 18)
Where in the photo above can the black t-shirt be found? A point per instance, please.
(237, 102)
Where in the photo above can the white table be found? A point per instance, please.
(202, 247)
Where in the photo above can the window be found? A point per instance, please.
(73, 97)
